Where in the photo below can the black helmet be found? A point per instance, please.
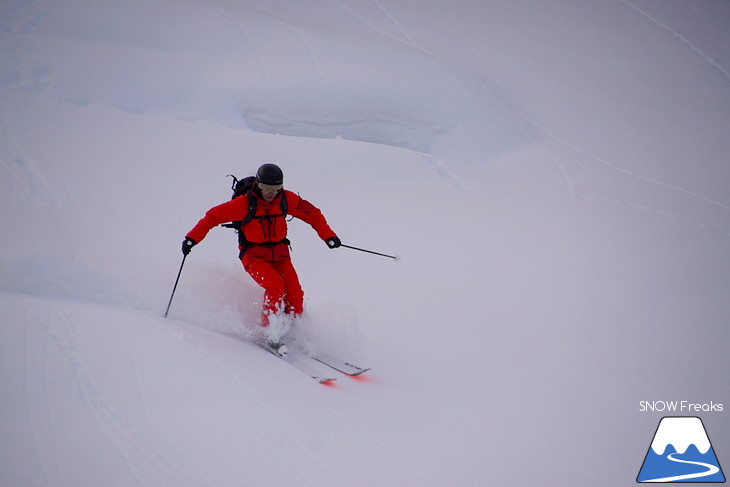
(270, 174)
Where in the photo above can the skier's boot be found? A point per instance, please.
(278, 348)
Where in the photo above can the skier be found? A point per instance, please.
(264, 250)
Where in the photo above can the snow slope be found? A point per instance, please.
(553, 174)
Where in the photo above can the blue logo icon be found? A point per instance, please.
(681, 452)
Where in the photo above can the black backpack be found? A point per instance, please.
(244, 187)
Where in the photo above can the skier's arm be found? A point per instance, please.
(227, 212)
(307, 212)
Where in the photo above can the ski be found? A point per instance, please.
(299, 362)
(340, 365)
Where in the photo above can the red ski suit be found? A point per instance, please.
(266, 257)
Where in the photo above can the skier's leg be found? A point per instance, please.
(293, 293)
(267, 277)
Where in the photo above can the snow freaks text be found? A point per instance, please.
(680, 407)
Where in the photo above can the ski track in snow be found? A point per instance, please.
(556, 149)
(131, 445)
(97, 409)
(268, 428)
(652, 181)
(142, 400)
(396, 24)
(527, 125)
(269, 18)
(287, 442)
(40, 461)
(298, 39)
(244, 38)
(522, 120)
(409, 42)
(696, 50)
(519, 117)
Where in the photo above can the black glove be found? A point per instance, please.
(188, 244)
(333, 242)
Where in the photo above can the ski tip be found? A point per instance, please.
(361, 371)
(363, 378)
(326, 381)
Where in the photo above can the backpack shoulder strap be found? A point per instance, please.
(251, 207)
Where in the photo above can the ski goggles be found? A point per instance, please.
(270, 188)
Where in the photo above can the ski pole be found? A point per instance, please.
(394, 257)
(175, 286)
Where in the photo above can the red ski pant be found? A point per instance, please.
(281, 284)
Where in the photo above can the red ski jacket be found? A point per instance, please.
(266, 232)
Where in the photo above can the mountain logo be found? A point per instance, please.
(681, 452)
